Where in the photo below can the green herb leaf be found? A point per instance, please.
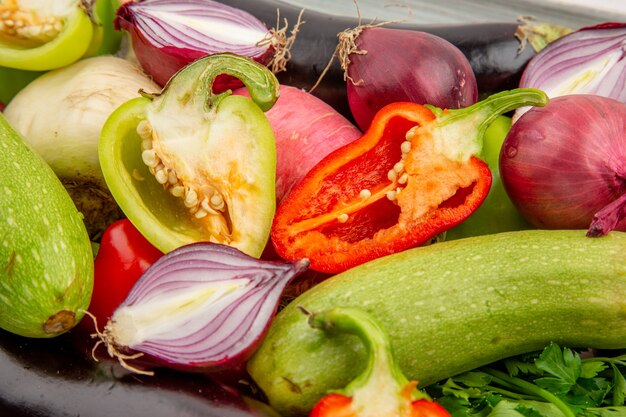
(474, 379)
(528, 412)
(605, 412)
(506, 408)
(591, 369)
(522, 365)
(619, 386)
(552, 383)
(564, 366)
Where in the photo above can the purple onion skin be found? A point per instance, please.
(250, 320)
(562, 163)
(162, 62)
(407, 66)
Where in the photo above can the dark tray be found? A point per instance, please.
(58, 378)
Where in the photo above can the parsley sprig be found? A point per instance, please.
(556, 382)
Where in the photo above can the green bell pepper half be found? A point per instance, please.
(497, 213)
(67, 47)
(220, 142)
(105, 40)
(87, 31)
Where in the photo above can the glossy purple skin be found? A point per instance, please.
(562, 163)
(405, 65)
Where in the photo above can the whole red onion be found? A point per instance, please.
(391, 65)
(564, 165)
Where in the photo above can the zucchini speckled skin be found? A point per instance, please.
(453, 306)
(46, 262)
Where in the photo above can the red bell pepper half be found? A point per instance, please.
(414, 174)
(381, 390)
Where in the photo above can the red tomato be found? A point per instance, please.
(123, 256)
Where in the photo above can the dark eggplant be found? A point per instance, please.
(491, 48)
(56, 377)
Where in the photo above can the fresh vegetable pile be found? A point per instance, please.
(320, 223)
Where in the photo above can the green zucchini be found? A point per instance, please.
(46, 262)
(451, 307)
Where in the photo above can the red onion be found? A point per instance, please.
(588, 61)
(169, 34)
(306, 129)
(390, 65)
(564, 165)
(203, 306)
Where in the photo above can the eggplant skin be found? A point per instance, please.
(57, 378)
(491, 49)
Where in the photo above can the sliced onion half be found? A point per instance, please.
(203, 306)
(169, 34)
(588, 61)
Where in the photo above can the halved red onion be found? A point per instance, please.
(169, 34)
(588, 61)
(203, 306)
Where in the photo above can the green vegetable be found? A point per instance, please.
(14, 80)
(61, 115)
(451, 307)
(46, 263)
(108, 40)
(188, 165)
(497, 213)
(46, 35)
(34, 48)
(25, 57)
(553, 382)
(381, 390)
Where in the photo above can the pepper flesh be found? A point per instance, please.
(497, 213)
(41, 35)
(381, 390)
(188, 165)
(67, 42)
(411, 176)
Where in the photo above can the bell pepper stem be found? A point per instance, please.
(194, 83)
(381, 363)
(460, 132)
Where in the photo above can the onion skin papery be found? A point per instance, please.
(588, 61)
(61, 115)
(393, 65)
(164, 45)
(563, 163)
(202, 307)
